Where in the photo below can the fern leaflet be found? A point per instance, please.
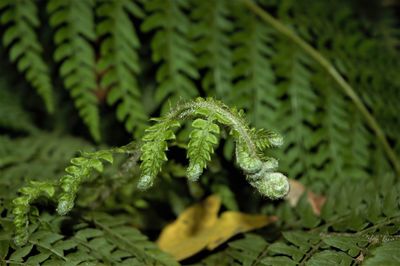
(255, 90)
(25, 48)
(201, 146)
(212, 44)
(74, 25)
(119, 60)
(171, 49)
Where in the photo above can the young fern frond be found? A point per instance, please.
(22, 207)
(80, 171)
(266, 138)
(25, 49)
(74, 25)
(201, 146)
(259, 171)
(119, 60)
(153, 150)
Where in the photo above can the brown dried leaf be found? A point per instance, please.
(297, 190)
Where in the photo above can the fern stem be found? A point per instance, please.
(328, 67)
(49, 248)
(129, 245)
(13, 262)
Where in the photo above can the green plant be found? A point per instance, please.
(250, 145)
(312, 240)
(250, 156)
(80, 77)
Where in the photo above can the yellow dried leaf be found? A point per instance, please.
(232, 223)
(199, 227)
(316, 202)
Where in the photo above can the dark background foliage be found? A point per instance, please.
(86, 75)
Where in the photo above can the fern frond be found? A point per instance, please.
(171, 49)
(212, 44)
(96, 239)
(248, 251)
(119, 60)
(332, 146)
(22, 206)
(74, 25)
(358, 222)
(201, 146)
(335, 75)
(357, 158)
(130, 240)
(42, 156)
(13, 116)
(79, 172)
(379, 163)
(295, 115)
(153, 150)
(384, 254)
(255, 90)
(266, 138)
(21, 20)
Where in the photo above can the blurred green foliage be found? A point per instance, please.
(84, 75)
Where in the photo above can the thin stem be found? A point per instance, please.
(325, 64)
(49, 248)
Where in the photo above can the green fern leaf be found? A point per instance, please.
(21, 19)
(42, 157)
(297, 112)
(357, 158)
(13, 116)
(330, 258)
(332, 146)
(171, 48)
(80, 171)
(96, 239)
(386, 254)
(247, 250)
(130, 240)
(212, 44)
(201, 146)
(255, 90)
(74, 25)
(119, 61)
(153, 150)
(22, 204)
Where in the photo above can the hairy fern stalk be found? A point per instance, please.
(81, 78)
